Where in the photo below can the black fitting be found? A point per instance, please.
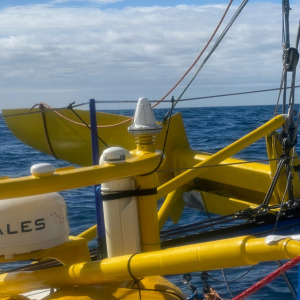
(291, 57)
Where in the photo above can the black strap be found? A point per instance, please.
(126, 194)
(136, 280)
(42, 108)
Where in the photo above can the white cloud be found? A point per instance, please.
(59, 54)
(86, 1)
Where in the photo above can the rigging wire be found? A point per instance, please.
(236, 14)
(198, 57)
(165, 140)
(183, 229)
(290, 60)
(222, 270)
(151, 101)
(279, 94)
(191, 225)
(88, 126)
(235, 279)
(287, 280)
(234, 94)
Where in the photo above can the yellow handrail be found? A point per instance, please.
(76, 178)
(234, 252)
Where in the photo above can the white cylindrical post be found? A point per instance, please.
(121, 214)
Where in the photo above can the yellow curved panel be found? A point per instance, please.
(71, 141)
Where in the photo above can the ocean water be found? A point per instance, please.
(208, 129)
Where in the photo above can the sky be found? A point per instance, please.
(60, 51)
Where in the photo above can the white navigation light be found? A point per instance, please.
(144, 121)
(41, 170)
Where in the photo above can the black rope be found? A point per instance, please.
(129, 268)
(169, 114)
(80, 118)
(136, 281)
(184, 230)
(41, 107)
(192, 225)
(267, 199)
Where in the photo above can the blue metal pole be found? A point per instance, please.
(102, 251)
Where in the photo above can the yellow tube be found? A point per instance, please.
(150, 237)
(75, 178)
(169, 204)
(234, 252)
(89, 234)
(218, 157)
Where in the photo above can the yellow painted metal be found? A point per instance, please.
(69, 140)
(15, 297)
(89, 234)
(226, 253)
(220, 156)
(173, 205)
(222, 205)
(75, 178)
(148, 218)
(154, 287)
(236, 178)
(73, 251)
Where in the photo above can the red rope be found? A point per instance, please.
(268, 279)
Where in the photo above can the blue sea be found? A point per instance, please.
(208, 129)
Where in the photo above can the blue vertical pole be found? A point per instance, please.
(102, 251)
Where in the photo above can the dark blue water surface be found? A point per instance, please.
(208, 129)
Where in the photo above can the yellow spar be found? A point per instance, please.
(218, 157)
(75, 178)
(234, 252)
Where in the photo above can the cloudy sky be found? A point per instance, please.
(59, 51)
